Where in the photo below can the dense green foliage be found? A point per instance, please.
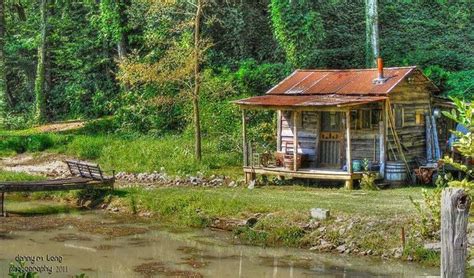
(251, 45)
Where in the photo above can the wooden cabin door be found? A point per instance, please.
(331, 139)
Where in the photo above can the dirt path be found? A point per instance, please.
(63, 126)
(45, 164)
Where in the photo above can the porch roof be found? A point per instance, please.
(302, 101)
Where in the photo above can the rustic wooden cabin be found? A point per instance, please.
(328, 118)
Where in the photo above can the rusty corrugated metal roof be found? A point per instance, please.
(304, 88)
(307, 100)
(341, 82)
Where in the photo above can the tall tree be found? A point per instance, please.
(113, 23)
(372, 49)
(42, 84)
(3, 69)
(197, 80)
(180, 53)
(299, 29)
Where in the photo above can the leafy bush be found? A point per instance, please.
(430, 209)
(87, 147)
(15, 122)
(367, 181)
(100, 126)
(31, 143)
(146, 112)
(453, 84)
(38, 143)
(256, 79)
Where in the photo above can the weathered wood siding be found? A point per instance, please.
(365, 142)
(412, 95)
(364, 145)
(308, 130)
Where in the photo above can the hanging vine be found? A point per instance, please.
(299, 30)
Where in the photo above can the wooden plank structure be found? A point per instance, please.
(333, 117)
(85, 175)
(455, 204)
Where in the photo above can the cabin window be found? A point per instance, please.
(354, 120)
(376, 117)
(331, 121)
(419, 117)
(365, 121)
(300, 120)
(399, 116)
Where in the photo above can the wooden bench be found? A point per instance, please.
(88, 170)
(84, 175)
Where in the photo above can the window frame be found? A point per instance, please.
(399, 123)
(421, 113)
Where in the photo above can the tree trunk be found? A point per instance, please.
(3, 68)
(41, 84)
(455, 204)
(372, 50)
(197, 81)
(121, 47)
(122, 43)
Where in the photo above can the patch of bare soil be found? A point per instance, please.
(45, 164)
(63, 126)
(155, 269)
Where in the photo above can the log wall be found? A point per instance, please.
(412, 95)
(308, 130)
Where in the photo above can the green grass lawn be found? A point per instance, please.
(174, 153)
(371, 219)
(237, 201)
(18, 176)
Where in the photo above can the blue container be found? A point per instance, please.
(356, 165)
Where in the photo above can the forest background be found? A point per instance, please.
(136, 63)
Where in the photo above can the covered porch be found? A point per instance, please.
(314, 137)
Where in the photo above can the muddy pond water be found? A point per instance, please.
(100, 245)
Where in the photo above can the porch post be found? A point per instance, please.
(382, 142)
(278, 130)
(244, 139)
(348, 149)
(295, 140)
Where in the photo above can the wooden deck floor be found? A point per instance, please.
(310, 173)
(54, 185)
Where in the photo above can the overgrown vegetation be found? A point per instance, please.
(367, 181)
(129, 153)
(430, 209)
(84, 42)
